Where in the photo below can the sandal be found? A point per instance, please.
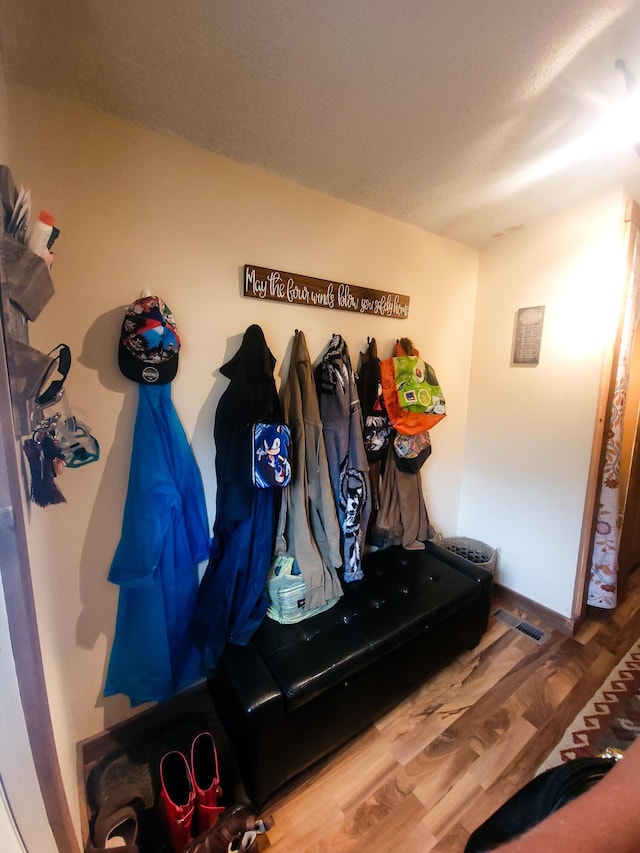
(116, 825)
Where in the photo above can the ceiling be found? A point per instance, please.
(461, 117)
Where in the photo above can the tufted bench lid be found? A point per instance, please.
(403, 593)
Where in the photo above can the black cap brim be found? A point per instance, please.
(146, 373)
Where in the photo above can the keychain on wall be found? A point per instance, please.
(46, 462)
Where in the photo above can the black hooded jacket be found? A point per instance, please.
(251, 397)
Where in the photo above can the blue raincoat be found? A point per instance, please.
(165, 534)
(233, 600)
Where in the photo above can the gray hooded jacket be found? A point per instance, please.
(308, 528)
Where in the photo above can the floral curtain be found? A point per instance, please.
(603, 584)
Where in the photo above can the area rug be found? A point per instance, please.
(611, 718)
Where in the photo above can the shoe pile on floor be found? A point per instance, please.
(181, 810)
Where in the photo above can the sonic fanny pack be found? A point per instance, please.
(270, 466)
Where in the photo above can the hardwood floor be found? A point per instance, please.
(435, 767)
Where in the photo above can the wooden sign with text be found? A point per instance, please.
(279, 286)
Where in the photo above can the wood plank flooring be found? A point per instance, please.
(435, 767)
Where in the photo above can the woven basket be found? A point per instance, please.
(472, 549)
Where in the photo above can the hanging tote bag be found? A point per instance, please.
(417, 385)
(287, 593)
(422, 404)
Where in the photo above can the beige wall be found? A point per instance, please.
(530, 429)
(4, 118)
(142, 210)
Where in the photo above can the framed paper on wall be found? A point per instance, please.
(527, 335)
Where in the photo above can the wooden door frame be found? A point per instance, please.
(15, 571)
(630, 514)
(599, 445)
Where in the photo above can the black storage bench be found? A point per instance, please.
(297, 692)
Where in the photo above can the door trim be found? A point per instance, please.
(23, 630)
(599, 445)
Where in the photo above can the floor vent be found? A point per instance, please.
(512, 621)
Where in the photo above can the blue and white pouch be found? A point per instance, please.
(270, 466)
(287, 593)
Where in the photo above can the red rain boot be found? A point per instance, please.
(177, 799)
(206, 782)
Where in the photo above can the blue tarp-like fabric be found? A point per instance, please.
(165, 534)
(233, 600)
(233, 597)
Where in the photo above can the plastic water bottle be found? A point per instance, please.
(41, 233)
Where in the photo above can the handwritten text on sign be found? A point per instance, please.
(263, 283)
